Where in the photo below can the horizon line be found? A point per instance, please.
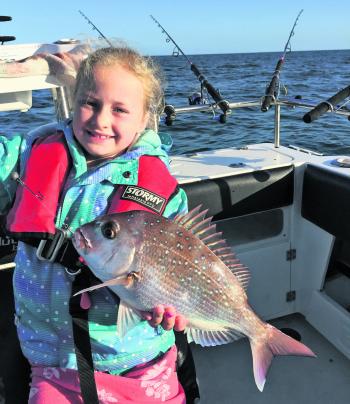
(240, 53)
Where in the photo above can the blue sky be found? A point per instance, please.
(215, 26)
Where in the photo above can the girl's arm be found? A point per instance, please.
(10, 149)
(177, 204)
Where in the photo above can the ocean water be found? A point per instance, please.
(312, 75)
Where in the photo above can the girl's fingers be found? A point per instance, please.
(146, 315)
(180, 323)
(169, 318)
(157, 315)
(166, 317)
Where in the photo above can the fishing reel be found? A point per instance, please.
(199, 97)
(196, 99)
(202, 98)
(225, 108)
(222, 118)
(272, 92)
(170, 114)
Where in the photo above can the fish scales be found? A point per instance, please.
(149, 260)
(199, 281)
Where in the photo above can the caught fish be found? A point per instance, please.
(149, 260)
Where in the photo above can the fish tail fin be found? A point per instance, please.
(275, 343)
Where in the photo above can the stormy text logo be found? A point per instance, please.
(144, 197)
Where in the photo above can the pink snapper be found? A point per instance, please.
(149, 260)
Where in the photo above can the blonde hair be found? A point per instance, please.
(142, 67)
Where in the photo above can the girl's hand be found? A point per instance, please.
(165, 316)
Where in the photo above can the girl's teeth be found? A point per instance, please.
(103, 137)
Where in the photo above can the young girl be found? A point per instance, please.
(78, 173)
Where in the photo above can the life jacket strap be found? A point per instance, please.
(81, 337)
(61, 252)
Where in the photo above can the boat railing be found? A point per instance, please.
(16, 93)
(170, 111)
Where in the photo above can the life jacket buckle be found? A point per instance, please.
(48, 249)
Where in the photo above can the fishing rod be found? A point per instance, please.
(95, 28)
(272, 90)
(223, 104)
(328, 105)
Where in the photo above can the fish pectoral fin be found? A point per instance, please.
(119, 280)
(212, 337)
(128, 317)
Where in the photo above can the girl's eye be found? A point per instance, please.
(120, 110)
(89, 103)
(92, 104)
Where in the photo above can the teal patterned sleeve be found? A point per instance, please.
(10, 147)
(177, 204)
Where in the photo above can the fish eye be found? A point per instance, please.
(110, 230)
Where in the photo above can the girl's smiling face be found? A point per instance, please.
(110, 112)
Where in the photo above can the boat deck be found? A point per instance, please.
(291, 380)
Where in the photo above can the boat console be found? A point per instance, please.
(284, 217)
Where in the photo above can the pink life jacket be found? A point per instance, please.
(46, 172)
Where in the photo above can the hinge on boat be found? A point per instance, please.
(290, 296)
(291, 254)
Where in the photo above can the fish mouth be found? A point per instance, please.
(80, 241)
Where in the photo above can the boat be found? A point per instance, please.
(285, 213)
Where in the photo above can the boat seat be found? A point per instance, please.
(326, 201)
(244, 193)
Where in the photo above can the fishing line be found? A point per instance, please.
(95, 28)
(215, 94)
(38, 195)
(273, 89)
(169, 38)
(342, 105)
(288, 47)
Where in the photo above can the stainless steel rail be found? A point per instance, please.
(257, 103)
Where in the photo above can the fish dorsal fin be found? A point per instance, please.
(211, 337)
(242, 273)
(195, 222)
(188, 220)
(127, 318)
